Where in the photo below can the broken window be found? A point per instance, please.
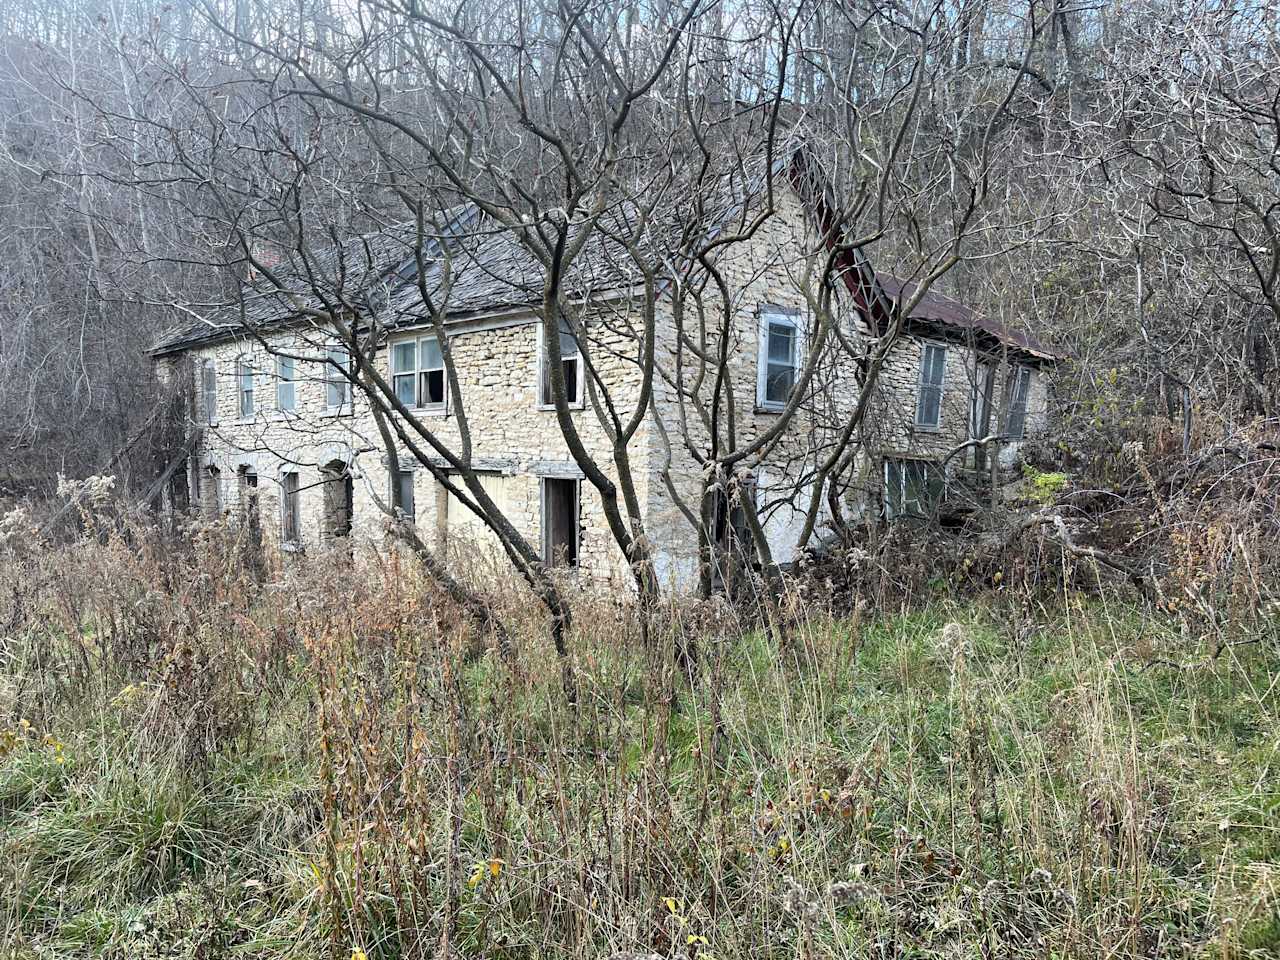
(286, 384)
(560, 533)
(338, 494)
(779, 359)
(417, 373)
(1017, 421)
(290, 509)
(244, 387)
(570, 366)
(912, 489)
(209, 391)
(337, 386)
(933, 362)
(402, 493)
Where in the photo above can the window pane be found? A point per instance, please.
(404, 357)
(403, 384)
(782, 343)
(432, 359)
(404, 493)
(778, 383)
(337, 393)
(432, 388)
(570, 368)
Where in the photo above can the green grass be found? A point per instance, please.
(1072, 783)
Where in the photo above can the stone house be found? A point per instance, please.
(284, 443)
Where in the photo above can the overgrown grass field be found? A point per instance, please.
(196, 765)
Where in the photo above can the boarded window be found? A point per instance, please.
(779, 359)
(933, 361)
(209, 391)
(912, 489)
(464, 532)
(402, 493)
(290, 509)
(1017, 422)
(570, 366)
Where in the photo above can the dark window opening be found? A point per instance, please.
(570, 367)
(338, 495)
(560, 533)
(290, 509)
(402, 493)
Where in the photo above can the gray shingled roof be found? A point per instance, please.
(489, 268)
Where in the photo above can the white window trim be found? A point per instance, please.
(577, 519)
(347, 406)
(942, 387)
(578, 404)
(767, 315)
(418, 407)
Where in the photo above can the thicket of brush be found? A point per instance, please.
(199, 762)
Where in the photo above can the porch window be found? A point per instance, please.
(570, 366)
(560, 522)
(779, 359)
(244, 387)
(1016, 425)
(933, 362)
(912, 489)
(286, 383)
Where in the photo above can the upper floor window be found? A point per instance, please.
(570, 366)
(1019, 389)
(337, 387)
(209, 391)
(286, 384)
(244, 386)
(933, 362)
(779, 359)
(417, 373)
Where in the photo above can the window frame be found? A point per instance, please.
(209, 391)
(543, 384)
(245, 373)
(548, 557)
(291, 383)
(768, 315)
(921, 386)
(397, 477)
(333, 378)
(902, 464)
(1021, 385)
(419, 372)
